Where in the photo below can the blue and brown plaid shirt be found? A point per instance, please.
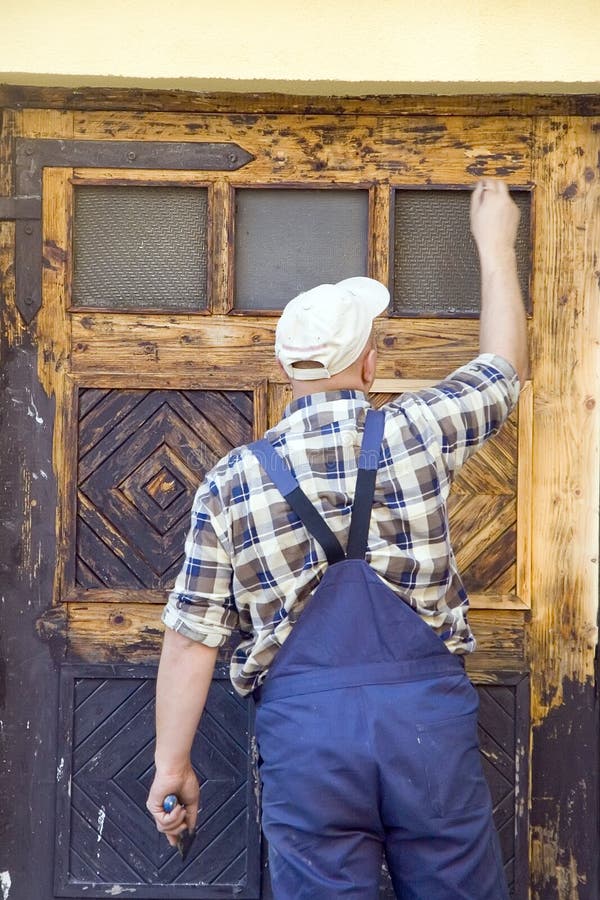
(250, 564)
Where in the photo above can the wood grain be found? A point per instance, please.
(12, 324)
(566, 408)
(338, 148)
(564, 588)
(110, 632)
(110, 98)
(102, 342)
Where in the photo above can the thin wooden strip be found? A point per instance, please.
(261, 410)
(494, 600)
(67, 452)
(379, 244)
(222, 231)
(397, 386)
(278, 398)
(320, 101)
(524, 493)
(123, 630)
(115, 596)
(418, 350)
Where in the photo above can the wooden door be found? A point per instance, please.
(141, 290)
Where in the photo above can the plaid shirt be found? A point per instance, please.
(250, 564)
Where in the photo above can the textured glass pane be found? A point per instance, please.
(140, 247)
(287, 241)
(436, 268)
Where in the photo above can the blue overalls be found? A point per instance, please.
(367, 730)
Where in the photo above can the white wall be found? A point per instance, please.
(305, 45)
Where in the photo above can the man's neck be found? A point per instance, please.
(323, 385)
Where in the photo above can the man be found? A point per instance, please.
(366, 722)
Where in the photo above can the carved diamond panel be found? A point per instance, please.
(142, 455)
(106, 840)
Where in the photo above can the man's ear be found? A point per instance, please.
(369, 366)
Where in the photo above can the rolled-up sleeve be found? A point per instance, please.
(463, 411)
(201, 605)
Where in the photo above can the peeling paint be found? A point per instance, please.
(565, 813)
(5, 884)
(561, 875)
(101, 820)
(116, 890)
(60, 769)
(32, 410)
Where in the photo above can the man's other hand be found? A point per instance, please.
(494, 219)
(183, 816)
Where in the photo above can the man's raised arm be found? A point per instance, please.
(503, 323)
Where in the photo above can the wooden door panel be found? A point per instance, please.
(101, 615)
(133, 461)
(106, 841)
(141, 457)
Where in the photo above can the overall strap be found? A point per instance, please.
(368, 462)
(278, 470)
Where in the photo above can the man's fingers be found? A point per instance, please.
(191, 814)
(172, 823)
(481, 188)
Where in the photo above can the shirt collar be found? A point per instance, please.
(318, 410)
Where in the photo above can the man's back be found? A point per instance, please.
(247, 541)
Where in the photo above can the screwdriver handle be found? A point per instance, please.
(170, 802)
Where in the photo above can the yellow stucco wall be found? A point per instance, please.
(307, 45)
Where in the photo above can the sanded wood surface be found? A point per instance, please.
(566, 407)
(338, 148)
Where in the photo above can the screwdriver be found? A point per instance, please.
(186, 838)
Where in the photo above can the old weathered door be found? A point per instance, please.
(144, 258)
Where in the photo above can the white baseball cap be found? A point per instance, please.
(330, 325)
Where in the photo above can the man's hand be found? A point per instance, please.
(494, 220)
(185, 787)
